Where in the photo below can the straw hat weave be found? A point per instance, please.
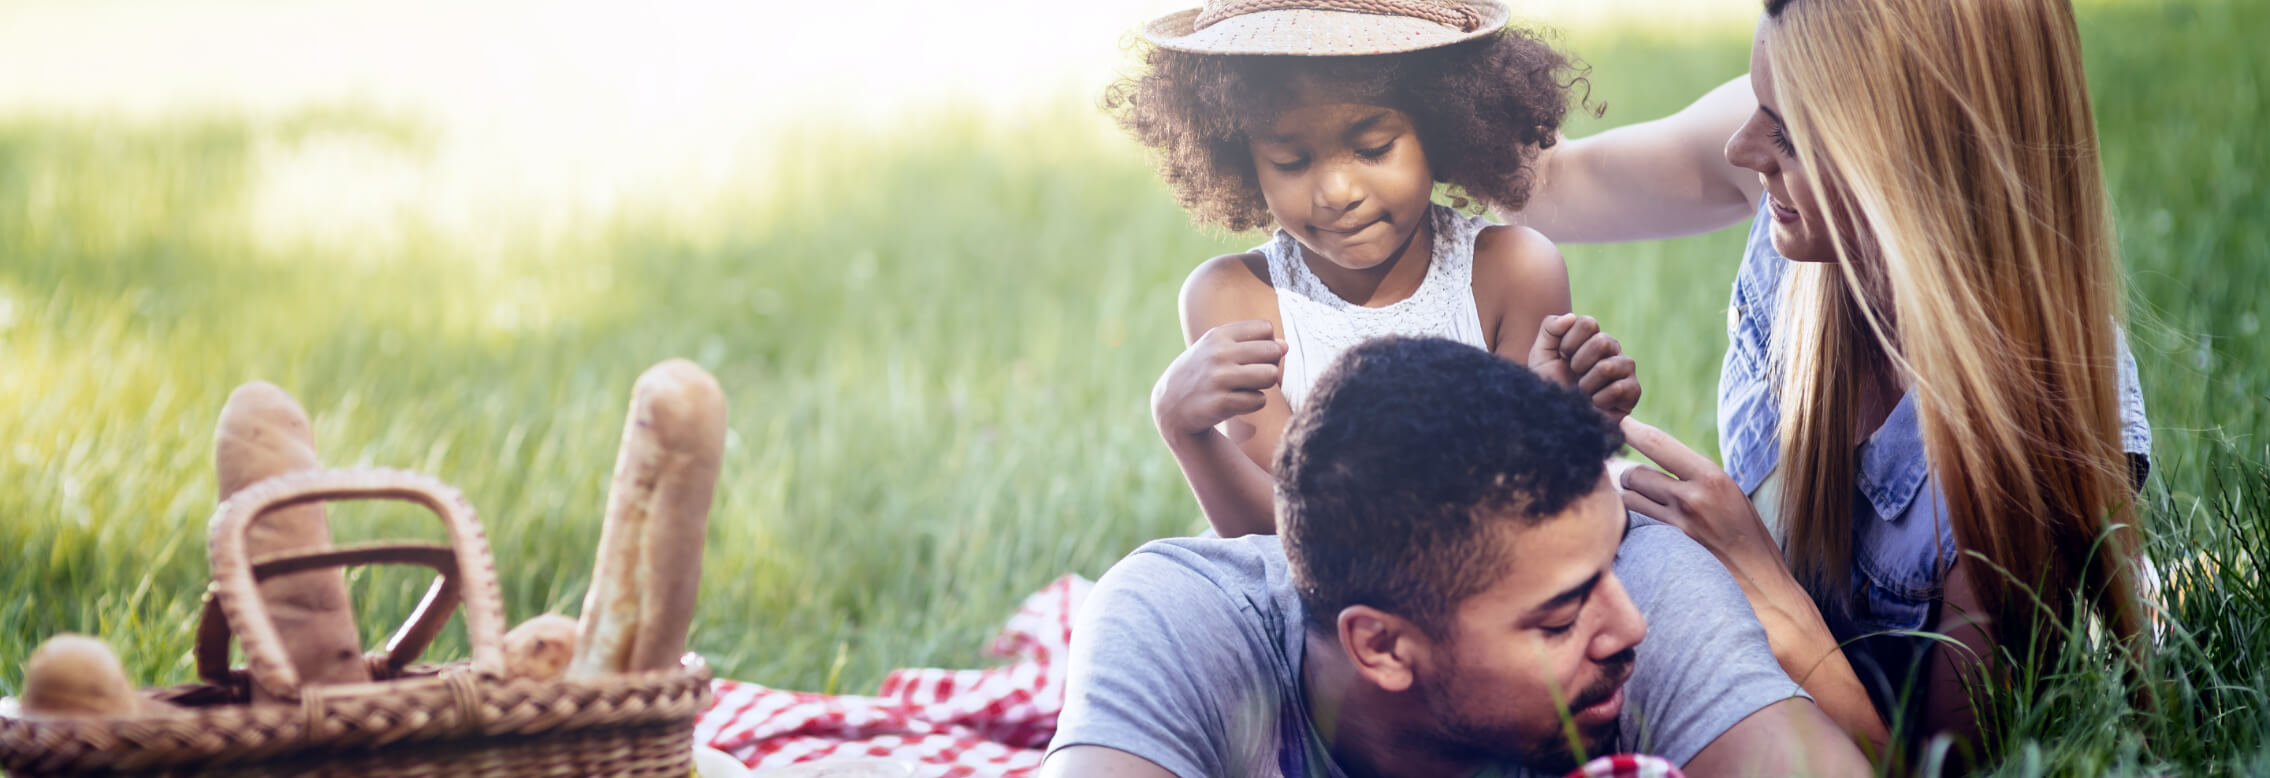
(1325, 27)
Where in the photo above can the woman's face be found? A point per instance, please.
(1763, 144)
(1349, 181)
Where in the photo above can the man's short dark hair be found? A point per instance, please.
(1409, 457)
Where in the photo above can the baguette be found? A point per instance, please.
(641, 602)
(263, 433)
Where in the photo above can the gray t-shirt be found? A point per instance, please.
(1187, 653)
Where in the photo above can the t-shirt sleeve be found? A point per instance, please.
(1705, 664)
(1159, 667)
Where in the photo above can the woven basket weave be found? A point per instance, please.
(411, 720)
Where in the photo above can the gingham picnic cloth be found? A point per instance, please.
(947, 723)
(956, 723)
(1627, 766)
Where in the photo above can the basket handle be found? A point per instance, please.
(404, 647)
(465, 567)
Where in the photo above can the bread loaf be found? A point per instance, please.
(641, 602)
(263, 433)
(540, 648)
(76, 676)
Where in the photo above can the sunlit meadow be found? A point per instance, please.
(934, 281)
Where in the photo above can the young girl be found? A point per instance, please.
(1335, 125)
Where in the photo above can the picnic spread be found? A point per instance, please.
(612, 693)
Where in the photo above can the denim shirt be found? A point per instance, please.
(1902, 541)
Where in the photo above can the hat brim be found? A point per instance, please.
(1318, 32)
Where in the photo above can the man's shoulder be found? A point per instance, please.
(1681, 587)
(1178, 656)
(1214, 610)
(1236, 559)
(1215, 574)
(1653, 550)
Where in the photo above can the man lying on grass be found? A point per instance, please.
(1456, 590)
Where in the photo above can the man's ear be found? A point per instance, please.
(1385, 649)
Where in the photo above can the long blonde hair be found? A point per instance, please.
(1960, 168)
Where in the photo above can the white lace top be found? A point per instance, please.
(1319, 325)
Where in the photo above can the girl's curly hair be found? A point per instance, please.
(1483, 109)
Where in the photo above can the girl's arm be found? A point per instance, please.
(1217, 405)
(1519, 279)
(1659, 179)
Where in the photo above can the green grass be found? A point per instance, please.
(938, 342)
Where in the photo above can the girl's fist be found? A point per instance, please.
(1220, 377)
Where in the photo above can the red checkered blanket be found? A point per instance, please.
(994, 722)
(946, 722)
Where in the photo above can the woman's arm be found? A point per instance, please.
(1807, 650)
(1665, 178)
(1955, 671)
(1787, 738)
(1217, 405)
(1695, 495)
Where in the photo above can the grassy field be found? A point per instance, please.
(938, 341)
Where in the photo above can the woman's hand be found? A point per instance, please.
(1220, 377)
(1572, 351)
(1697, 496)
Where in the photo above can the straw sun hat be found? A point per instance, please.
(1325, 27)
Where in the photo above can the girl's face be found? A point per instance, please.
(1763, 144)
(1347, 180)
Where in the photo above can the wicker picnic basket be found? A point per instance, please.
(412, 720)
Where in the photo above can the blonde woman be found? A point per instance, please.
(1928, 415)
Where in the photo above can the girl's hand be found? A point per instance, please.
(1572, 351)
(1220, 377)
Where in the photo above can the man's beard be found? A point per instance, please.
(1475, 730)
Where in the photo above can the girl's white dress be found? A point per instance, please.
(1319, 325)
